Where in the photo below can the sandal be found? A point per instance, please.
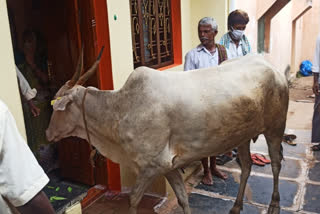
(238, 161)
(262, 158)
(256, 161)
(223, 159)
(288, 138)
(316, 147)
(290, 142)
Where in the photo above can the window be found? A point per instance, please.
(151, 33)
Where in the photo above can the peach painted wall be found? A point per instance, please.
(308, 27)
(280, 38)
(251, 31)
(262, 5)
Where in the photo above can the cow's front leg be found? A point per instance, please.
(246, 163)
(176, 181)
(144, 179)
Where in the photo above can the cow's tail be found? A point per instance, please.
(287, 73)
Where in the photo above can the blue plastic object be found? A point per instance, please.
(306, 68)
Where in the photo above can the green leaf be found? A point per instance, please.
(50, 187)
(56, 198)
(69, 189)
(57, 189)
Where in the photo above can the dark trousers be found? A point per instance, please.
(316, 121)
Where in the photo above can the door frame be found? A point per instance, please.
(105, 74)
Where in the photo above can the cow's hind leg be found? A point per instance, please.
(246, 163)
(275, 152)
(176, 181)
(144, 179)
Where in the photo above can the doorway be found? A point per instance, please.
(64, 27)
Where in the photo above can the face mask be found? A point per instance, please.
(237, 34)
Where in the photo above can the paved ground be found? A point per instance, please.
(299, 177)
(299, 183)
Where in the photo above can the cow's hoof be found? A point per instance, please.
(235, 210)
(132, 210)
(274, 210)
(187, 211)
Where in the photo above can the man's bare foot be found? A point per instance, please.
(207, 179)
(219, 174)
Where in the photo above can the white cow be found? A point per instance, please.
(160, 121)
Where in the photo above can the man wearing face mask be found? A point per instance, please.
(237, 45)
(205, 55)
(235, 41)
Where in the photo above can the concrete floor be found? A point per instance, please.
(299, 183)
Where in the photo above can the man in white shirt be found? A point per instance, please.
(207, 54)
(21, 177)
(316, 113)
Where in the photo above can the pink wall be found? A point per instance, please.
(307, 29)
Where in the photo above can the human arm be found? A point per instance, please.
(37, 205)
(316, 68)
(33, 108)
(25, 88)
(188, 62)
(27, 93)
(22, 178)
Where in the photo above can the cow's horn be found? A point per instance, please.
(91, 71)
(78, 72)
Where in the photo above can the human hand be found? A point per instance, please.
(34, 109)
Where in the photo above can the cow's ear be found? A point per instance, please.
(61, 103)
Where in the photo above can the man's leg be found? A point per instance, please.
(207, 178)
(316, 122)
(214, 170)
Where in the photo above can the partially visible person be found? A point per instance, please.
(207, 54)
(21, 177)
(237, 45)
(315, 138)
(34, 70)
(27, 93)
(235, 40)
